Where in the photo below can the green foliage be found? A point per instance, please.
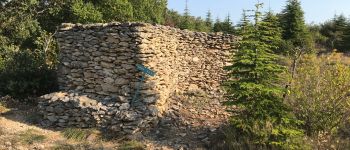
(274, 30)
(85, 12)
(294, 29)
(226, 26)
(319, 39)
(337, 32)
(116, 10)
(320, 94)
(262, 120)
(149, 10)
(209, 21)
(25, 75)
(28, 54)
(174, 19)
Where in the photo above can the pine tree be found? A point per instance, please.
(186, 22)
(275, 31)
(294, 28)
(346, 38)
(217, 25)
(262, 120)
(209, 20)
(225, 26)
(243, 24)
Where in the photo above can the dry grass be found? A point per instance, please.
(3, 109)
(77, 134)
(31, 136)
(132, 145)
(79, 146)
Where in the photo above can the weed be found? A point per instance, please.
(63, 146)
(80, 146)
(77, 134)
(132, 145)
(31, 136)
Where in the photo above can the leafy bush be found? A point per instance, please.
(24, 75)
(319, 94)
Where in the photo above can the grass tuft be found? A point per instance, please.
(79, 146)
(63, 146)
(31, 136)
(76, 134)
(132, 145)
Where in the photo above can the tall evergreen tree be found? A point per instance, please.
(337, 33)
(209, 20)
(226, 26)
(275, 31)
(294, 28)
(217, 25)
(187, 22)
(262, 120)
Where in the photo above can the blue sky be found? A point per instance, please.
(316, 11)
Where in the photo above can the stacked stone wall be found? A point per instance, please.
(98, 77)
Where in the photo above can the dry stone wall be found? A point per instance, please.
(98, 75)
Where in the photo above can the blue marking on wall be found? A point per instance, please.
(146, 71)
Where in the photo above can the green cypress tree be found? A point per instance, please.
(262, 119)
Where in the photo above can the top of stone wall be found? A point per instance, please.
(134, 26)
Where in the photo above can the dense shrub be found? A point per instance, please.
(24, 74)
(319, 93)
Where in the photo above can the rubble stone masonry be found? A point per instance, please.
(97, 73)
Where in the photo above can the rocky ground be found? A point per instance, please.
(192, 122)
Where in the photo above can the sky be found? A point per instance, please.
(316, 11)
